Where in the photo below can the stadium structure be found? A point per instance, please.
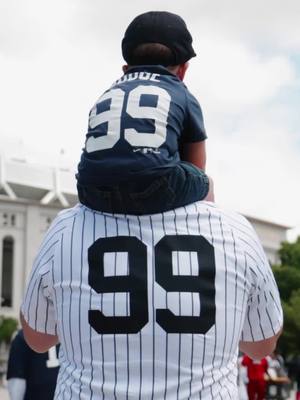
(30, 197)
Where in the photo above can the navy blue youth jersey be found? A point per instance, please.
(137, 127)
(38, 370)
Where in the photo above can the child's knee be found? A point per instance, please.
(211, 194)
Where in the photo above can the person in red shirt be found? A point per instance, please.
(256, 370)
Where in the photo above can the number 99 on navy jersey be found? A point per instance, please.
(139, 123)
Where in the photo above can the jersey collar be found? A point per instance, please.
(150, 68)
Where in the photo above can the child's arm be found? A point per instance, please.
(195, 153)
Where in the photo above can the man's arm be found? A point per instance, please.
(260, 349)
(39, 342)
(16, 388)
(17, 368)
(263, 320)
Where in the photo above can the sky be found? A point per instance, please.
(57, 57)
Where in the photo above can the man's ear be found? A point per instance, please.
(125, 68)
(182, 68)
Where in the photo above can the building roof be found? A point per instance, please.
(24, 182)
(264, 221)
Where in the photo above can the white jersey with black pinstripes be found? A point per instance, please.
(151, 307)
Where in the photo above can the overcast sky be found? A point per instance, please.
(58, 56)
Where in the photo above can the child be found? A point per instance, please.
(145, 145)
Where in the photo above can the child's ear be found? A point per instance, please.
(182, 70)
(125, 68)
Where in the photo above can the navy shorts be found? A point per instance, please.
(183, 184)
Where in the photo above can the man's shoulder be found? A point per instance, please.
(234, 217)
(62, 221)
(67, 213)
(225, 213)
(237, 223)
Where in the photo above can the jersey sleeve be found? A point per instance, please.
(17, 360)
(194, 130)
(264, 315)
(38, 306)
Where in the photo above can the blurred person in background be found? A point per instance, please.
(256, 370)
(276, 365)
(294, 373)
(31, 375)
(242, 379)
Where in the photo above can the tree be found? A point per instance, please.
(290, 254)
(287, 276)
(7, 327)
(288, 280)
(289, 343)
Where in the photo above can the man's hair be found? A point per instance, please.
(152, 54)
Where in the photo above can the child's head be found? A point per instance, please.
(157, 38)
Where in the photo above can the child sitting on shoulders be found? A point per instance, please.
(145, 146)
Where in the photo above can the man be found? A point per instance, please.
(151, 307)
(31, 375)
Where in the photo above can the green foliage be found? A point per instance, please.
(289, 342)
(287, 276)
(290, 254)
(288, 280)
(7, 327)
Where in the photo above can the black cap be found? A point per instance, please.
(159, 27)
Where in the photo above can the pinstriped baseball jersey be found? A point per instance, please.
(151, 307)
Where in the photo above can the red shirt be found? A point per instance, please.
(256, 368)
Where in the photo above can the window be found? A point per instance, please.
(8, 219)
(7, 271)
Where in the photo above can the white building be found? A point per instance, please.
(30, 196)
(271, 235)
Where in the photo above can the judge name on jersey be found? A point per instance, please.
(143, 76)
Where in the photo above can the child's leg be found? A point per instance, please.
(184, 184)
(150, 196)
(211, 194)
(105, 199)
(190, 184)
